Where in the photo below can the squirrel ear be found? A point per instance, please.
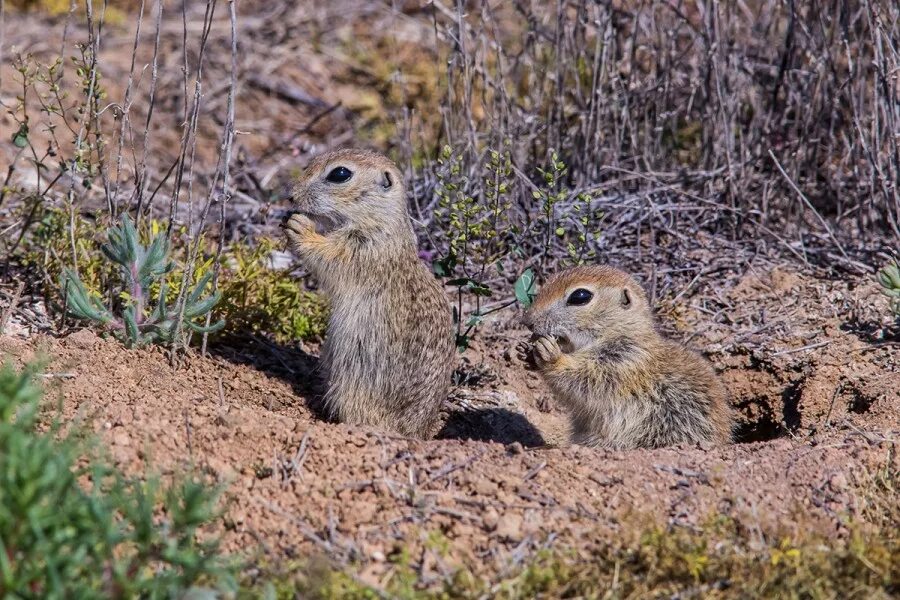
(386, 181)
(626, 298)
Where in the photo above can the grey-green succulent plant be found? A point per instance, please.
(889, 278)
(141, 267)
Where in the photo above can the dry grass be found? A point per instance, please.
(768, 118)
(720, 560)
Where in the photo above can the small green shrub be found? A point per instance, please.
(485, 240)
(255, 298)
(76, 528)
(259, 299)
(717, 560)
(141, 268)
(889, 278)
(56, 241)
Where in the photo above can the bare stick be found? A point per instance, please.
(228, 140)
(13, 301)
(809, 205)
(141, 175)
(803, 348)
(189, 142)
(126, 107)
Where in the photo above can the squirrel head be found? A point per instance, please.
(352, 188)
(587, 305)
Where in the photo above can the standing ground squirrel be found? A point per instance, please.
(624, 385)
(388, 353)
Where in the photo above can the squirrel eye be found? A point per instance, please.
(339, 175)
(579, 297)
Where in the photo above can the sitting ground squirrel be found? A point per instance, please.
(623, 384)
(388, 353)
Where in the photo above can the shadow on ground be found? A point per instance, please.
(872, 331)
(301, 371)
(491, 425)
(291, 364)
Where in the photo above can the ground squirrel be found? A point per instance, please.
(623, 384)
(388, 353)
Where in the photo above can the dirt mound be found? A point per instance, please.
(817, 395)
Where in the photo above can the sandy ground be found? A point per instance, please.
(815, 387)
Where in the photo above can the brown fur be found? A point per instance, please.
(389, 352)
(624, 385)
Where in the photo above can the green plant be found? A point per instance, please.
(889, 278)
(477, 229)
(76, 528)
(485, 240)
(717, 560)
(259, 298)
(524, 287)
(255, 297)
(57, 241)
(140, 268)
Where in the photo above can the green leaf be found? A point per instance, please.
(155, 263)
(213, 327)
(462, 343)
(444, 266)
(132, 243)
(459, 282)
(479, 289)
(159, 312)
(20, 137)
(132, 333)
(523, 287)
(201, 307)
(81, 304)
(199, 288)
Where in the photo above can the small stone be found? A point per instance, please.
(509, 527)
(223, 419)
(83, 338)
(121, 455)
(603, 480)
(490, 518)
(515, 448)
(365, 513)
(532, 523)
(485, 487)
(838, 482)
(223, 469)
(120, 438)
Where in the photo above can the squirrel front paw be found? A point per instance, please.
(525, 354)
(543, 352)
(546, 351)
(298, 229)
